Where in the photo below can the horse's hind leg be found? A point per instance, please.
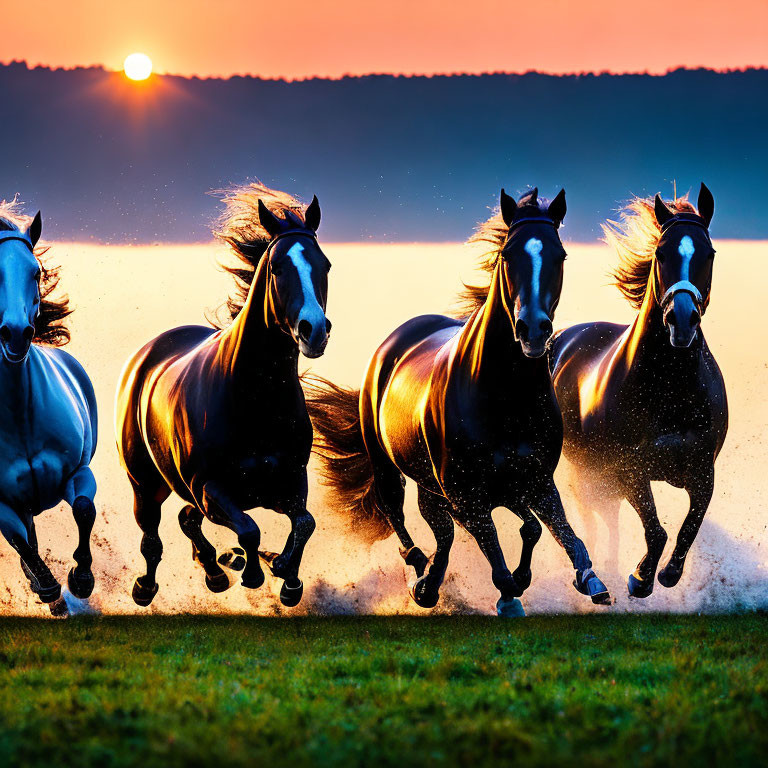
(221, 510)
(80, 493)
(549, 509)
(640, 583)
(146, 510)
(700, 496)
(436, 511)
(389, 487)
(191, 520)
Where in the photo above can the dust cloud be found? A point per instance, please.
(125, 295)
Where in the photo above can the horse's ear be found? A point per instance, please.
(508, 208)
(268, 220)
(706, 204)
(663, 214)
(35, 229)
(312, 214)
(557, 207)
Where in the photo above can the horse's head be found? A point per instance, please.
(298, 277)
(532, 267)
(19, 288)
(682, 271)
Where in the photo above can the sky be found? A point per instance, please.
(297, 39)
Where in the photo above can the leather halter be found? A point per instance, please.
(684, 286)
(288, 232)
(16, 235)
(541, 219)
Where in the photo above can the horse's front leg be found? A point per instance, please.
(549, 508)
(700, 495)
(286, 565)
(477, 521)
(640, 583)
(42, 581)
(79, 494)
(222, 510)
(530, 533)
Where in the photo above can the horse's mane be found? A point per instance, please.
(239, 227)
(49, 325)
(494, 233)
(635, 236)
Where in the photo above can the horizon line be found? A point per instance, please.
(405, 75)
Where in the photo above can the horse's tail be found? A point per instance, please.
(345, 464)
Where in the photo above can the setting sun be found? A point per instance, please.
(137, 66)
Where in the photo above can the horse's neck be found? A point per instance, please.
(254, 349)
(646, 349)
(487, 348)
(16, 389)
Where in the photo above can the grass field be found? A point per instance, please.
(591, 690)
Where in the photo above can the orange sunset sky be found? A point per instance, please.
(297, 38)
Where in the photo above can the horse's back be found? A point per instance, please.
(579, 344)
(139, 372)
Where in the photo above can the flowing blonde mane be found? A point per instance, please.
(49, 325)
(635, 236)
(493, 232)
(240, 228)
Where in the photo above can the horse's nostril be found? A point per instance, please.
(328, 325)
(304, 330)
(29, 332)
(5, 333)
(545, 326)
(521, 329)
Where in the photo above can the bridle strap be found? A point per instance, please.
(541, 219)
(682, 286)
(683, 219)
(287, 233)
(7, 236)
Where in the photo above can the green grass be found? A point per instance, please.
(583, 691)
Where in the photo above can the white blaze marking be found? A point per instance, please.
(311, 311)
(686, 250)
(533, 248)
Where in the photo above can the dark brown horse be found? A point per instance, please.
(465, 408)
(647, 401)
(218, 416)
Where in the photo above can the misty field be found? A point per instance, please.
(588, 690)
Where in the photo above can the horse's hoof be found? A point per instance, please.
(58, 608)
(422, 596)
(142, 595)
(219, 582)
(638, 587)
(509, 608)
(80, 583)
(589, 584)
(416, 559)
(291, 596)
(253, 580)
(234, 559)
(669, 576)
(49, 593)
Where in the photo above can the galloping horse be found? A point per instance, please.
(465, 408)
(47, 413)
(647, 402)
(218, 415)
